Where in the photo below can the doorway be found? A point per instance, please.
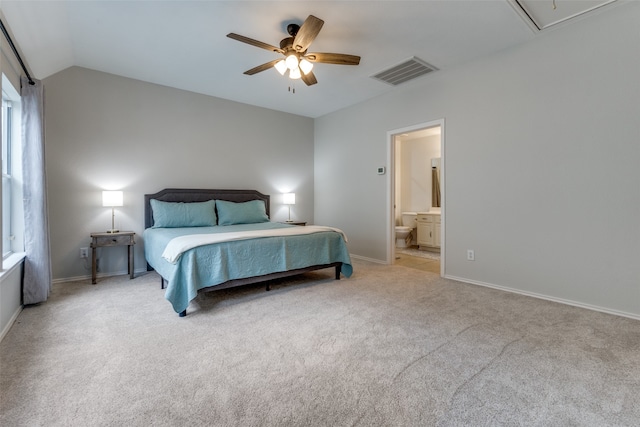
(415, 153)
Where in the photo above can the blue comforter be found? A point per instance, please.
(214, 264)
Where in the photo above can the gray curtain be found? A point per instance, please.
(435, 188)
(37, 266)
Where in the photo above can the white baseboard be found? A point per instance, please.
(9, 324)
(546, 297)
(362, 258)
(98, 276)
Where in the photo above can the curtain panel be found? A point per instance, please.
(37, 266)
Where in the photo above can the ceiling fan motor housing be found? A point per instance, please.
(286, 43)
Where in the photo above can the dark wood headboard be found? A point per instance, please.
(188, 195)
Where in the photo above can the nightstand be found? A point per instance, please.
(302, 223)
(120, 238)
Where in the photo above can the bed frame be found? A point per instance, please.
(195, 195)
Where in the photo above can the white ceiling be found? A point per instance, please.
(183, 44)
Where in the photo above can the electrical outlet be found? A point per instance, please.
(84, 252)
(471, 255)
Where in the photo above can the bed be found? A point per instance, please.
(207, 240)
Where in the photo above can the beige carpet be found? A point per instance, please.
(391, 346)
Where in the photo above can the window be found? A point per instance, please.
(12, 208)
(7, 133)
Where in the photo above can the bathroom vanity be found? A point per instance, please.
(429, 230)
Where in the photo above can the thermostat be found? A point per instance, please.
(381, 170)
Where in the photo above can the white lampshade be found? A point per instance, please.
(281, 66)
(295, 73)
(112, 198)
(305, 66)
(289, 198)
(292, 62)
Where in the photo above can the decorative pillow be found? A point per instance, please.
(179, 214)
(230, 213)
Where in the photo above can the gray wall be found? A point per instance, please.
(110, 132)
(542, 146)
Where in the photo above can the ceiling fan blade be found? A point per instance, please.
(333, 58)
(262, 67)
(309, 78)
(255, 43)
(307, 33)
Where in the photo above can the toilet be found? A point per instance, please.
(403, 232)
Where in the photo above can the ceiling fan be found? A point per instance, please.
(297, 61)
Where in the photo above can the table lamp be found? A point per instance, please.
(112, 199)
(289, 199)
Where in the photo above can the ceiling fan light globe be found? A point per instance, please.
(305, 66)
(295, 73)
(281, 66)
(292, 62)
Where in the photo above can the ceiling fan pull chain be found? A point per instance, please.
(554, 4)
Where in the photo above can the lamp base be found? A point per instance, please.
(113, 231)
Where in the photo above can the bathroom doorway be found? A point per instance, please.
(416, 185)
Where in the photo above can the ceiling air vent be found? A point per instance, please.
(408, 70)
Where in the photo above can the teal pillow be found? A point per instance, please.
(178, 214)
(251, 212)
